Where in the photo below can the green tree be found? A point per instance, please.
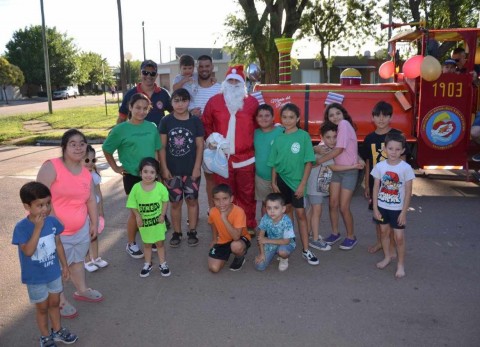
(251, 35)
(438, 14)
(91, 71)
(25, 50)
(10, 75)
(344, 24)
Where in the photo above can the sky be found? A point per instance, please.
(93, 24)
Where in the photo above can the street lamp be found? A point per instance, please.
(128, 57)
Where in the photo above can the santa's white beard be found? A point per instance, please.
(234, 95)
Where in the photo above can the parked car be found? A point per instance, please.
(65, 93)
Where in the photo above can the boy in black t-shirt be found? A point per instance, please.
(181, 158)
(373, 151)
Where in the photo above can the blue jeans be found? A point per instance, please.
(269, 256)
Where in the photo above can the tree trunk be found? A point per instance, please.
(5, 93)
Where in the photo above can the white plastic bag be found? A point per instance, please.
(216, 155)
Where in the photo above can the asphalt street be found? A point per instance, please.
(344, 301)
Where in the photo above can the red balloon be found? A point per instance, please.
(386, 70)
(412, 67)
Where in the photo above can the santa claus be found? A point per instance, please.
(232, 114)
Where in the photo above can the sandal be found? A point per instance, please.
(68, 311)
(90, 295)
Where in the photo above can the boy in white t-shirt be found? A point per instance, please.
(392, 192)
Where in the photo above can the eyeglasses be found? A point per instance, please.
(94, 160)
(148, 73)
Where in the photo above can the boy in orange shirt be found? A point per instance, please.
(229, 231)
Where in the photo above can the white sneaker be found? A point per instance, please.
(90, 266)
(283, 264)
(100, 262)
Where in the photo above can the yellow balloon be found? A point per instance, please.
(431, 69)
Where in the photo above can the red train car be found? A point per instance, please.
(435, 116)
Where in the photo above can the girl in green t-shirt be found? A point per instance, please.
(148, 201)
(291, 159)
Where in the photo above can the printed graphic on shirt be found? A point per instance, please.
(378, 154)
(150, 213)
(323, 180)
(180, 141)
(45, 252)
(390, 189)
(295, 147)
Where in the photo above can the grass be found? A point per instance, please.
(91, 120)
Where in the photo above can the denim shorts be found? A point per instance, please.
(269, 256)
(476, 122)
(39, 292)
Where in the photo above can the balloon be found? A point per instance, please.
(411, 68)
(386, 70)
(254, 73)
(430, 69)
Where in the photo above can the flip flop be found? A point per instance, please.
(68, 311)
(90, 295)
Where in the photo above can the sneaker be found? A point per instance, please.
(332, 239)
(283, 264)
(237, 263)
(167, 222)
(154, 247)
(310, 257)
(476, 157)
(176, 239)
(134, 251)
(90, 266)
(164, 270)
(320, 245)
(147, 267)
(192, 238)
(64, 335)
(100, 262)
(47, 341)
(348, 244)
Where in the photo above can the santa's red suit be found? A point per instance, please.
(241, 171)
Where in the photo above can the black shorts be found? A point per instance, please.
(389, 217)
(129, 181)
(289, 194)
(222, 251)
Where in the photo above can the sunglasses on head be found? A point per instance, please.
(94, 160)
(148, 73)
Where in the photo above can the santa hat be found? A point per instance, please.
(236, 73)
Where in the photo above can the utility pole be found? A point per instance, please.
(143, 31)
(123, 80)
(47, 63)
